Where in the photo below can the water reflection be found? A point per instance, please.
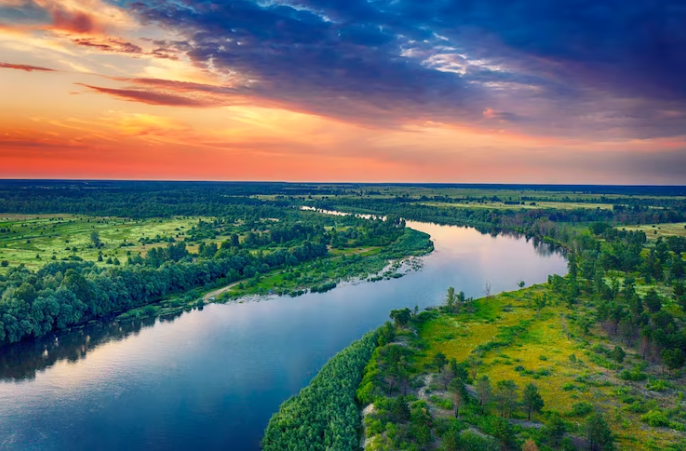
(21, 361)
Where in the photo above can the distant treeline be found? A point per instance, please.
(554, 224)
(159, 199)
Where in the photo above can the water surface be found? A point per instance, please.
(211, 379)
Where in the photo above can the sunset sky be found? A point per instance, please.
(495, 91)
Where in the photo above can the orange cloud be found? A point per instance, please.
(25, 67)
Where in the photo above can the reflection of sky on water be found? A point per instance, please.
(211, 379)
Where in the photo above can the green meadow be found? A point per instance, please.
(39, 239)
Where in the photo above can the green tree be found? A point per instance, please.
(532, 400)
(440, 361)
(618, 354)
(450, 298)
(95, 239)
(554, 429)
(459, 390)
(506, 396)
(673, 358)
(598, 433)
(502, 430)
(484, 390)
(540, 302)
(401, 317)
(401, 410)
(473, 363)
(652, 301)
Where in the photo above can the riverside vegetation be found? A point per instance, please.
(113, 265)
(593, 360)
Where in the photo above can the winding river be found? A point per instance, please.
(210, 379)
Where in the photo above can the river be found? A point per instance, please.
(210, 379)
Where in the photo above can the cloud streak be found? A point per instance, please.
(25, 67)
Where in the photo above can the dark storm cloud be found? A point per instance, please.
(540, 61)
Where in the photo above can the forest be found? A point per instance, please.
(105, 275)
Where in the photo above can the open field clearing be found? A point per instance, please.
(34, 240)
(655, 231)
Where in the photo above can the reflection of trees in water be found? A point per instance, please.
(21, 361)
(541, 248)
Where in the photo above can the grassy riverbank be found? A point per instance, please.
(508, 339)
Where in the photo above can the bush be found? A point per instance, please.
(655, 418)
(636, 374)
(658, 385)
(441, 402)
(581, 409)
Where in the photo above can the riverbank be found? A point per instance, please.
(348, 265)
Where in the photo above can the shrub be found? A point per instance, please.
(581, 409)
(655, 418)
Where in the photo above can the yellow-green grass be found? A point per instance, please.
(655, 231)
(545, 346)
(48, 235)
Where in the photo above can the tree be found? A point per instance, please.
(440, 361)
(447, 376)
(673, 358)
(487, 289)
(521, 284)
(95, 238)
(540, 302)
(391, 376)
(652, 301)
(598, 433)
(502, 430)
(532, 400)
(459, 369)
(460, 395)
(401, 410)
(506, 395)
(473, 362)
(401, 317)
(450, 298)
(483, 389)
(618, 354)
(555, 429)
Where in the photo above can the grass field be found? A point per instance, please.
(654, 231)
(515, 343)
(35, 240)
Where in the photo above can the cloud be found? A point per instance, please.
(151, 97)
(606, 67)
(25, 67)
(114, 45)
(80, 17)
(75, 21)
